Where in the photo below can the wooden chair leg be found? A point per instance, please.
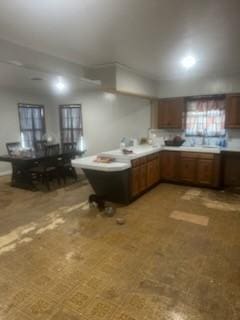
(58, 177)
(74, 173)
(46, 178)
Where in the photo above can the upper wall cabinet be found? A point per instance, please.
(170, 113)
(233, 111)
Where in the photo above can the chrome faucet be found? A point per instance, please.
(204, 138)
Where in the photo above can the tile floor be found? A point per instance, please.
(61, 260)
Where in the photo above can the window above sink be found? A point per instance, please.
(205, 117)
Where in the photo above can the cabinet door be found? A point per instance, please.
(150, 173)
(233, 111)
(169, 162)
(156, 170)
(188, 170)
(232, 170)
(170, 113)
(143, 177)
(136, 174)
(205, 172)
(175, 113)
(162, 114)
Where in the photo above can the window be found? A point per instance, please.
(205, 117)
(71, 123)
(32, 124)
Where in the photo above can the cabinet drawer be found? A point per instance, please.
(206, 156)
(197, 155)
(192, 155)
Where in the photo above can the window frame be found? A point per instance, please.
(205, 97)
(34, 130)
(70, 106)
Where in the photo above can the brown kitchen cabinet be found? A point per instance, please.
(201, 169)
(144, 174)
(194, 168)
(232, 111)
(231, 169)
(136, 181)
(169, 165)
(205, 173)
(153, 170)
(188, 167)
(171, 113)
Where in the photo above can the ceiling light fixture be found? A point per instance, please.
(60, 85)
(188, 62)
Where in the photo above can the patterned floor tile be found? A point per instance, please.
(90, 268)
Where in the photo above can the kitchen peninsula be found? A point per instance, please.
(131, 175)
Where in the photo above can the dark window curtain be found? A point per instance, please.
(205, 117)
(71, 123)
(32, 124)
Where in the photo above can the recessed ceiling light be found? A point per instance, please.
(60, 85)
(188, 62)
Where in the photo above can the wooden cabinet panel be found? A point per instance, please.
(150, 173)
(188, 170)
(205, 174)
(136, 183)
(169, 162)
(232, 111)
(170, 113)
(162, 114)
(143, 177)
(231, 169)
(145, 173)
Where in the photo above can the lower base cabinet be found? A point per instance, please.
(145, 173)
(193, 168)
(205, 173)
(188, 168)
(201, 169)
(169, 165)
(231, 169)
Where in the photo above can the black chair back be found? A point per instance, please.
(69, 147)
(52, 149)
(13, 147)
(40, 145)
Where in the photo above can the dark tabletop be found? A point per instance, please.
(35, 156)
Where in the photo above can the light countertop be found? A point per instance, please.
(139, 151)
(89, 163)
(123, 161)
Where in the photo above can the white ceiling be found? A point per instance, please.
(22, 78)
(148, 35)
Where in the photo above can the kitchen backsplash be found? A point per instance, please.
(232, 137)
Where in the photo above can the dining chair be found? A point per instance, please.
(48, 167)
(13, 147)
(40, 145)
(52, 150)
(69, 151)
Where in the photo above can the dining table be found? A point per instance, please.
(23, 162)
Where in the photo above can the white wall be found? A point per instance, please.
(122, 79)
(106, 118)
(9, 122)
(129, 81)
(199, 86)
(109, 117)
